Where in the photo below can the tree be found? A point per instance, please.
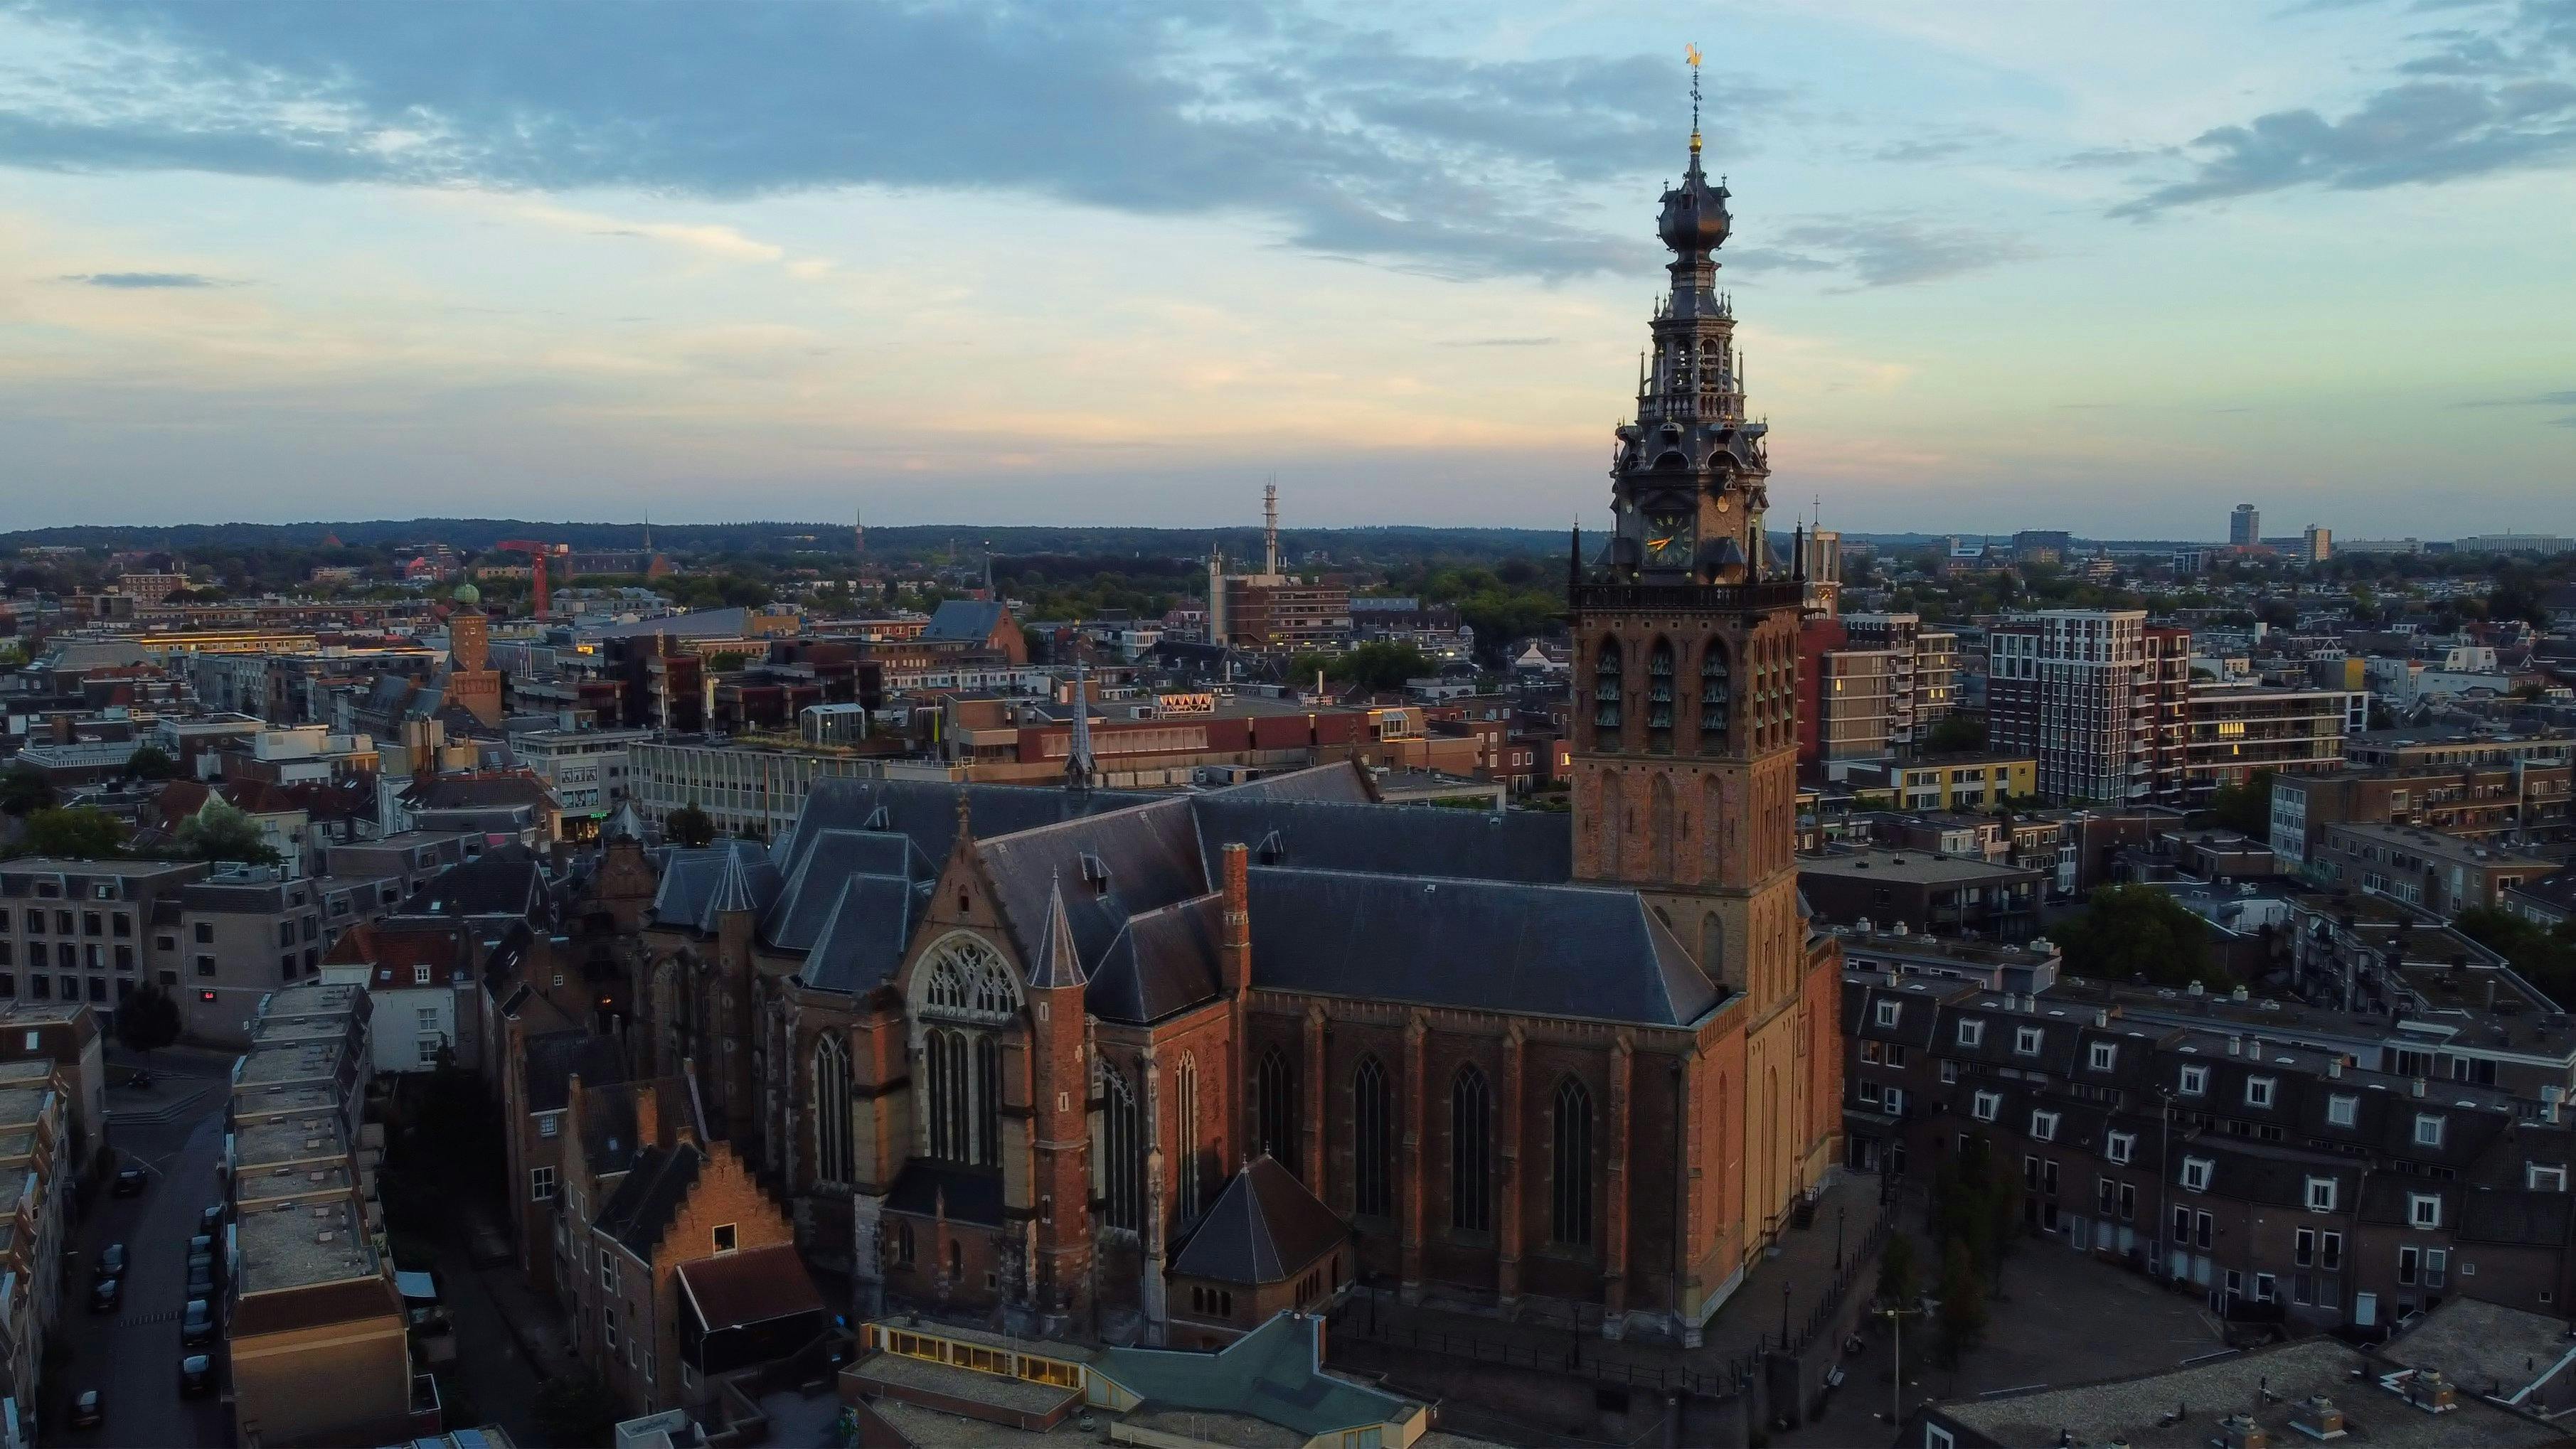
(1962, 1323)
(148, 1020)
(1383, 664)
(149, 763)
(2545, 955)
(690, 826)
(78, 833)
(1896, 1271)
(2134, 930)
(2247, 808)
(1956, 734)
(223, 831)
(24, 790)
(577, 1409)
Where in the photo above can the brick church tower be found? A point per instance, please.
(1685, 726)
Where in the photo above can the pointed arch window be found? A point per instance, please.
(1277, 1092)
(1716, 695)
(1122, 1152)
(833, 1146)
(988, 1101)
(947, 1054)
(1372, 1142)
(1659, 696)
(1570, 1208)
(1606, 690)
(1185, 1107)
(1471, 1150)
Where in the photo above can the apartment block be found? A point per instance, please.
(2235, 730)
(35, 1186)
(2277, 1180)
(2443, 874)
(2493, 805)
(2099, 698)
(314, 1327)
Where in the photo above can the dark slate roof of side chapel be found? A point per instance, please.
(1535, 846)
(1265, 1227)
(1572, 951)
(1161, 962)
(650, 1196)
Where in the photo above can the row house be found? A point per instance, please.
(2278, 1180)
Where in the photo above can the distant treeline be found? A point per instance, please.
(957, 543)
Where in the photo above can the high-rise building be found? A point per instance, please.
(2100, 698)
(2244, 526)
(1870, 687)
(1274, 610)
(1684, 749)
(2317, 544)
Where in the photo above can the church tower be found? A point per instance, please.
(1686, 627)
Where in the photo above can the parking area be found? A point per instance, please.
(2061, 1319)
(132, 1355)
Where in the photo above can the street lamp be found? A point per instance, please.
(1896, 1317)
(1785, 1286)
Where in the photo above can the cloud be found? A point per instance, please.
(2534, 400)
(1342, 136)
(142, 280)
(1502, 342)
(1882, 251)
(2483, 102)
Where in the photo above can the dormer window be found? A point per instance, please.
(1095, 872)
(2195, 1080)
(2043, 1126)
(2103, 1055)
(2026, 1041)
(2423, 1210)
(2195, 1173)
(1986, 1106)
(2321, 1194)
(1971, 1031)
(2342, 1109)
(2258, 1091)
(2428, 1129)
(2120, 1146)
(1889, 1011)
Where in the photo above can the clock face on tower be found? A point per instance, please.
(1668, 539)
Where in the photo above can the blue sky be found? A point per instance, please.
(2110, 268)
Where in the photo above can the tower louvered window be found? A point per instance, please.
(1659, 696)
(1606, 686)
(1716, 695)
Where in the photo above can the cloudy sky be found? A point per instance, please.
(2103, 267)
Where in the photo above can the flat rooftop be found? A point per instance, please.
(1922, 867)
(22, 1106)
(285, 1102)
(968, 1386)
(932, 1429)
(289, 1063)
(2483, 1346)
(283, 1182)
(2269, 1383)
(320, 1239)
(280, 1141)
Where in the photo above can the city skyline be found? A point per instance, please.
(952, 266)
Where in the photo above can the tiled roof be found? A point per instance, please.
(1265, 1227)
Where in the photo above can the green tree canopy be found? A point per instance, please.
(223, 831)
(2247, 808)
(690, 826)
(1962, 1322)
(1956, 734)
(2545, 955)
(24, 789)
(76, 833)
(148, 1020)
(2134, 930)
(149, 763)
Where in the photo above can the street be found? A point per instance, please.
(176, 1130)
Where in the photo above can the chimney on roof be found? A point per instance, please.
(2334, 1065)
(2419, 1086)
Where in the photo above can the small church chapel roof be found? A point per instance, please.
(1265, 1227)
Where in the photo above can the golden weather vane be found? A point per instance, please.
(1690, 53)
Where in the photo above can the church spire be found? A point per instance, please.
(1078, 766)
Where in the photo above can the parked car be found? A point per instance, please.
(210, 1218)
(130, 1181)
(87, 1412)
(202, 1245)
(196, 1376)
(106, 1294)
(201, 1281)
(111, 1261)
(197, 1328)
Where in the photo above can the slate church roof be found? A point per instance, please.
(1121, 891)
(1265, 1227)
